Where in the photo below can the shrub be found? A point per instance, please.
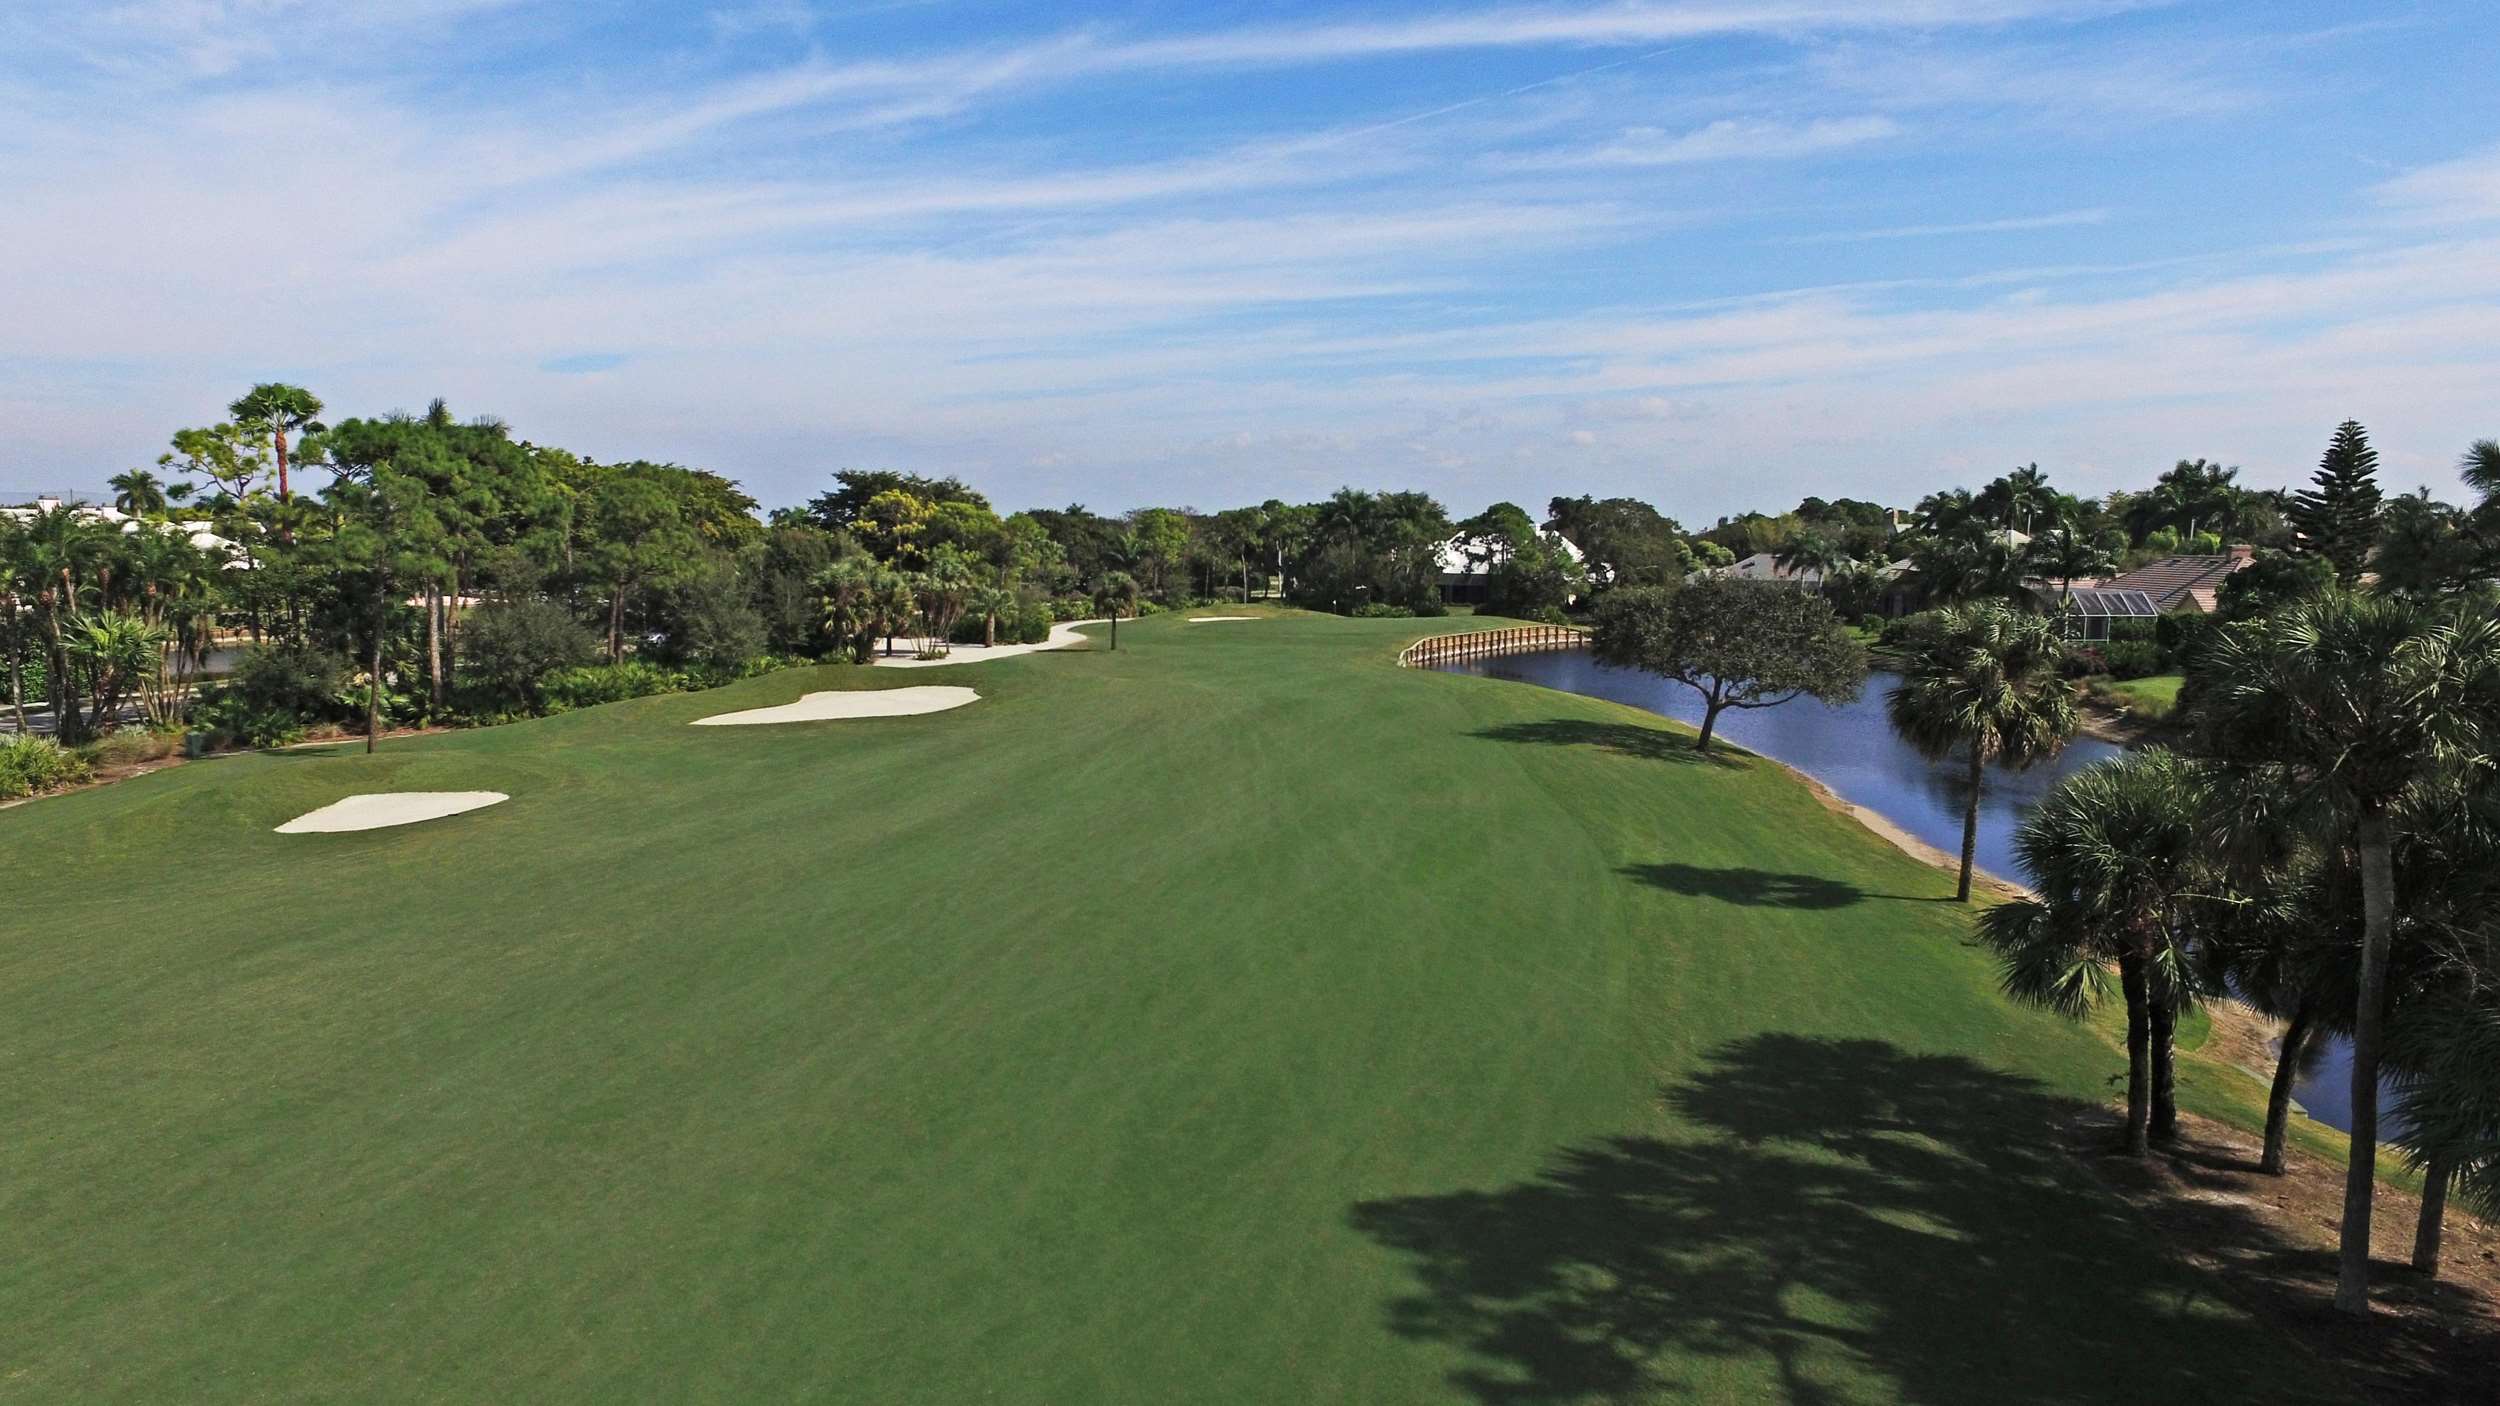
(228, 719)
(1378, 611)
(298, 680)
(1901, 630)
(29, 765)
(507, 647)
(589, 685)
(131, 745)
(2132, 659)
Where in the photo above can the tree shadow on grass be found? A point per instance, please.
(1625, 739)
(1761, 888)
(1854, 1221)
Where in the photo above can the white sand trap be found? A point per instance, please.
(1061, 636)
(826, 707)
(1212, 619)
(379, 810)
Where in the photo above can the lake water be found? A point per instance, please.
(1852, 748)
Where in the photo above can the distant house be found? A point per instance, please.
(2189, 583)
(2088, 611)
(1464, 573)
(1766, 566)
(197, 532)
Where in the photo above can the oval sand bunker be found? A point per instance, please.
(825, 707)
(379, 810)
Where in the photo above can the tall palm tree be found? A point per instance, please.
(138, 493)
(2062, 553)
(2116, 855)
(1982, 680)
(2480, 468)
(1811, 551)
(2356, 700)
(278, 410)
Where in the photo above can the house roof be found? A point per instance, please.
(2117, 605)
(2175, 582)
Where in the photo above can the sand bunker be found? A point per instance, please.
(823, 707)
(1061, 636)
(379, 810)
(1211, 619)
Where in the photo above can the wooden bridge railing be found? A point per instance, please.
(1479, 644)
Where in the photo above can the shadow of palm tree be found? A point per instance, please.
(1623, 738)
(1855, 1221)
(1763, 888)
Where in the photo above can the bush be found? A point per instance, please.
(2132, 659)
(506, 648)
(592, 684)
(297, 680)
(130, 746)
(1901, 630)
(29, 765)
(2083, 661)
(228, 719)
(1377, 611)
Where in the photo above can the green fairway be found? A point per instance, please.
(1234, 1018)
(2154, 696)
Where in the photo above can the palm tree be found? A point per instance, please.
(2062, 554)
(2115, 852)
(1114, 594)
(2355, 701)
(2446, 1047)
(279, 410)
(1982, 680)
(138, 493)
(990, 602)
(2481, 468)
(849, 587)
(1814, 552)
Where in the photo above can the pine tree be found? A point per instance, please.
(2337, 515)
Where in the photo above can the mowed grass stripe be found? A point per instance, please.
(1123, 1036)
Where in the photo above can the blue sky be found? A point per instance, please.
(1716, 255)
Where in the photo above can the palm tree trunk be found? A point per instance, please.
(2163, 1013)
(1115, 628)
(2279, 1097)
(434, 646)
(2427, 1231)
(616, 622)
(2378, 923)
(1970, 824)
(373, 675)
(2139, 1043)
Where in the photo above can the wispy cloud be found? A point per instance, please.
(2466, 189)
(1725, 140)
(2063, 219)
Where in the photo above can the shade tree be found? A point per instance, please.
(1737, 643)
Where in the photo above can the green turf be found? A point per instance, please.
(2154, 696)
(1234, 1018)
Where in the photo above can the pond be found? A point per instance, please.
(1851, 748)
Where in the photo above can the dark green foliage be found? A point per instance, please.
(1625, 541)
(2270, 580)
(506, 647)
(2132, 659)
(299, 680)
(707, 617)
(2337, 516)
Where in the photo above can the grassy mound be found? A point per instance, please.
(1236, 1017)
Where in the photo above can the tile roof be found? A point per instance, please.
(2174, 582)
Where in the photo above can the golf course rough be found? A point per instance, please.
(1241, 1019)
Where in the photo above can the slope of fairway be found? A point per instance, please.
(1236, 1017)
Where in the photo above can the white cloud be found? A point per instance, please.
(2062, 219)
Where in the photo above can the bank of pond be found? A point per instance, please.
(1851, 748)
